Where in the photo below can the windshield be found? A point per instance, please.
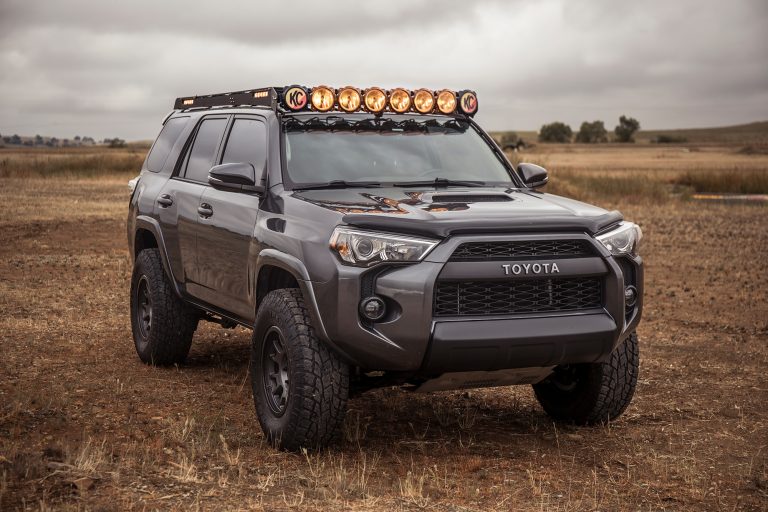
(398, 149)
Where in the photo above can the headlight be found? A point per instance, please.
(623, 240)
(366, 248)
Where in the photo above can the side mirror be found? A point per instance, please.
(237, 176)
(533, 176)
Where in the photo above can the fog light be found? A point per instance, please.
(349, 99)
(630, 296)
(446, 101)
(400, 100)
(375, 100)
(468, 102)
(424, 101)
(322, 98)
(372, 308)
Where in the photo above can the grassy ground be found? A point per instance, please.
(85, 426)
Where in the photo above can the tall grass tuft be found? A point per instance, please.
(74, 164)
(731, 181)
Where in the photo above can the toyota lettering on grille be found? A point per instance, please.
(530, 268)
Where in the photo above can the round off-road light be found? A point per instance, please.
(322, 98)
(375, 100)
(373, 308)
(468, 102)
(399, 100)
(349, 99)
(446, 101)
(424, 101)
(295, 97)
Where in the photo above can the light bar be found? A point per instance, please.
(377, 100)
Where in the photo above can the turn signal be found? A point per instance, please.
(375, 100)
(446, 101)
(424, 101)
(322, 98)
(399, 100)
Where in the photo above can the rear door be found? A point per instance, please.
(179, 201)
(225, 247)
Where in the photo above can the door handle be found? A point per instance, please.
(165, 200)
(205, 210)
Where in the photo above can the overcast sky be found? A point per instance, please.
(112, 68)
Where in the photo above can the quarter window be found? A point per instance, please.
(164, 143)
(203, 151)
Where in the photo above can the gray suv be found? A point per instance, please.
(375, 238)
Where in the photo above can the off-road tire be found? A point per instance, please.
(317, 380)
(172, 322)
(595, 393)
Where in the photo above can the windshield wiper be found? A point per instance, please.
(441, 182)
(338, 184)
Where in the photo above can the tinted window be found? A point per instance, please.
(164, 143)
(397, 150)
(204, 149)
(247, 143)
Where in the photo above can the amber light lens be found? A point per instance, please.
(468, 102)
(375, 100)
(349, 99)
(446, 101)
(399, 100)
(322, 98)
(424, 101)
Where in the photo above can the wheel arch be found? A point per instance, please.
(147, 234)
(280, 269)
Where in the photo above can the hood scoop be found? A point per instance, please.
(471, 198)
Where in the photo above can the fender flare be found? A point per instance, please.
(295, 267)
(153, 226)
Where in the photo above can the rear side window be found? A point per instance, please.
(247, 143)
(164, 143)
(203, 150)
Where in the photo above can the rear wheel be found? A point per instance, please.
(162, 324)
(592, 393)
(300, 387)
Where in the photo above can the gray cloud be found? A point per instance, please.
(104, 69)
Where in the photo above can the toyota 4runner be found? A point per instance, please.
(376, 238)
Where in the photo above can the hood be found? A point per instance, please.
(446, 211)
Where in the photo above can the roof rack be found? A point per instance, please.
(297, 98)
(266, 97)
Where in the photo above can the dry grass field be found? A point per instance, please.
(85, 426)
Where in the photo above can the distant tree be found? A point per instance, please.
(53, 142)
(555, 132)
(77, 138)
(15, 139)
(38, 140)
(593, 132)
(626, 129)
(116, 143)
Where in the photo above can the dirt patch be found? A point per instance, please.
(83, 424)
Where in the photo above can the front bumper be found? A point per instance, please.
(411, 339)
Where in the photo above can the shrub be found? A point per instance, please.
(626, 129)
(591, 133)
(555, 132)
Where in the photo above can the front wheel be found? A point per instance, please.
(592, 393)
(300, 387)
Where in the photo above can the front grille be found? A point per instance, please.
(516, 249)
(517, 296)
